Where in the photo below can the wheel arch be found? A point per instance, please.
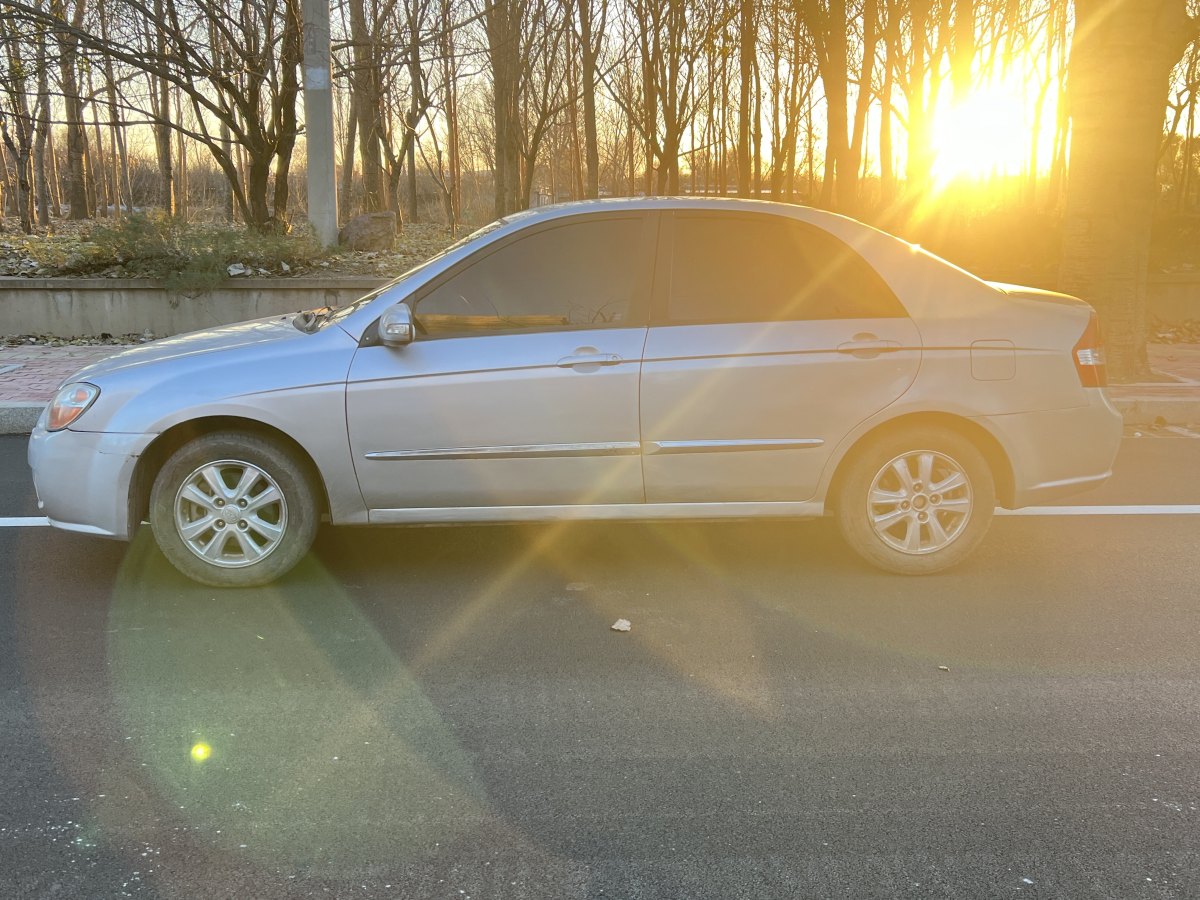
(151, 461)
(987, 443)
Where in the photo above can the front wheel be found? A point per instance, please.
(916, 502)
(233, 510)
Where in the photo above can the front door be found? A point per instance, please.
(522, 387)
(770, 340)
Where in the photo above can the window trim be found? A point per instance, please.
(638, 306)
(665, 275)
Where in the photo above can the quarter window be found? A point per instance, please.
(760, 268)
(574, 275)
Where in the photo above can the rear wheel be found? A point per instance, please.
(917, 501)
(233, 510)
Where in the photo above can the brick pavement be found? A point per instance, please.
(31, 374)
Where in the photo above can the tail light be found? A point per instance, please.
(1088, 355)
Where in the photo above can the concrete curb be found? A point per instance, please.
(19, 418)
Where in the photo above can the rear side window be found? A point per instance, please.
(578, 274)
(760, 268)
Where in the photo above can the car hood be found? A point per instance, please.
(228, 337)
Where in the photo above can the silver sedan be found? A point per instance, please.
(636, 359)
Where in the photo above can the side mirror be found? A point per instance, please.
(396, 326)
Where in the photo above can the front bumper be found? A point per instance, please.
(1056, 453)
(82, 479)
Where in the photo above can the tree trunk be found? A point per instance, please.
(231, 177)
(416, 108)
(52, 173)
(19, 142)
(367, 103)
(258, 176)
(963, 54)
(887, 172)
(160, 103)
(291, 53)
(862, 105)
(181, 202)
(920, 157)
(450, 81)
(98, 192)
(121, 179)
(347, 186)
(502, 23)
(746, 48)
(77, 174)
(1119, 80)
(591, 141)
(41, 184)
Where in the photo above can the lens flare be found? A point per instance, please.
(201, 751)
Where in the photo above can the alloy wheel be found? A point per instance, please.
(919, 502)
(230, 513)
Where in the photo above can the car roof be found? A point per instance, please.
(728, 204)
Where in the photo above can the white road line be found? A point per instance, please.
(1182, 432)
(23, 521)
(1172, 509)
(1164, 509)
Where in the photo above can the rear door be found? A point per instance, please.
(770, 339)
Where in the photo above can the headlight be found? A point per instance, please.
(70, 403)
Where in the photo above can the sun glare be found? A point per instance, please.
(985, 135)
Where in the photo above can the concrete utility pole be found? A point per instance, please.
(318, 123)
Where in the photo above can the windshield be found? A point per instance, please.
(313, 320)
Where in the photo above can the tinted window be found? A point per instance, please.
(573, 275)
(769, 268)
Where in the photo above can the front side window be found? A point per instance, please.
(573, 275)
(761, 268)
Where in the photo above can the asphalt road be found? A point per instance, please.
(445, 713)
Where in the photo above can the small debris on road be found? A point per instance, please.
(578, 586)
(237, 269)
(621, 625)
(943, 668)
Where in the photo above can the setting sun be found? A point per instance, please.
(985, 135)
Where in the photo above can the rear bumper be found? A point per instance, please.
(1056, 453)
(82, 479)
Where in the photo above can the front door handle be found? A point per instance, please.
(588, 359)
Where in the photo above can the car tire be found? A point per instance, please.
(231, 509)
(916, 527)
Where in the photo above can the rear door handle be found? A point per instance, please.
(865, 349)
(588, 359)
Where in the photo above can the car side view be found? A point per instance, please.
(614, 359)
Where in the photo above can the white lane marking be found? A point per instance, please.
(23, 521)
(1182, 432)
(1164, 509)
